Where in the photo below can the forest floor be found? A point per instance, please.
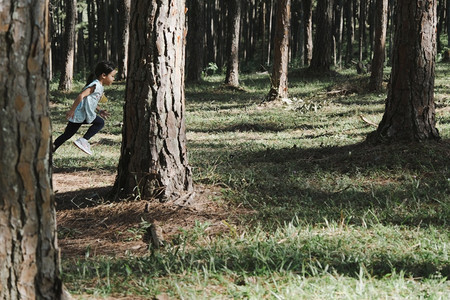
(290, 203)
(90, 225)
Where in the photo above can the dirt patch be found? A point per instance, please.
(89, 224)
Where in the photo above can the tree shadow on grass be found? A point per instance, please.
(404, 184)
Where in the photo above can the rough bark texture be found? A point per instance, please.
(65, 82)
(376, 78)
(234, 24)
(196, 40)
(279, 88)
(124, 36)
(323, 41)
(28, 250)
(153, 161)
(410, 111)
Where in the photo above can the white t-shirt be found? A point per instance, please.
(85, 111)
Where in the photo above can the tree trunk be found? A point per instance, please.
(234, 21)
(349, 30)
(153, 160)
(376, 78)
(195, 41)
(101, 30)
(448, 23)
(29, 267)
(323, 41)
(124, 36)
(279, 88)
(81, 50)
(410, 111)
(65, 82)
(362, 29)
(91, 32)
(338, 25)
(307, 5)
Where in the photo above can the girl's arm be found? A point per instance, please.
(103, 113)
(77, 101)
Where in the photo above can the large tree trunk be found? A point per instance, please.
(376, 78)
(410, 111)
(323, 41)
(234, 21)
(196, 41)
(279, 84)
(153, 161)
(124, 36)
(65, 82)
(29, 267)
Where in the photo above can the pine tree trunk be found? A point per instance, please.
(65, 82)
(124, 36)
(153, 161)
(279, 88)
(195, 41)
(349, 30)
(29, 267)
(376, 78)
(410, 111)
(101, 30)
(307, 5)
(362, 28)
(234, 21)
(91, 33)
(323, 41)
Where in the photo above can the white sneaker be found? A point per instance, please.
(83, 144)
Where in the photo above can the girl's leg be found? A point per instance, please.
(70, 130)
(96, 126)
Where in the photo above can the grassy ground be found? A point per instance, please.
(332, 218)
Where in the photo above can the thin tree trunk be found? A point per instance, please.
(376, 78)
(153, 160)
(448, 23)
(91, 32)
(410, 111)
(362, 28)
(29, 265)
(124, 36)
(234, 21)
(339, 25)
(307, 5)
(279, 88)
(65, 82)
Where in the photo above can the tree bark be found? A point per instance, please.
(349, 30)
(195, 41)
(323, 42)
(376, 78)
(307, 5)
(124, 36)
(153, 161)
(234, 24)
(279, 87)
(410, 111)
(29, 267)
(65, 82)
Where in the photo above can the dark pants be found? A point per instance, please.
(72, 128)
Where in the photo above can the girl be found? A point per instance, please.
(85, 105)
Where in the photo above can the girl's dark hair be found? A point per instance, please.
(103, 67)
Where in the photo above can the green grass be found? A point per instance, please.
(333, 218)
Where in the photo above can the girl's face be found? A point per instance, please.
(109, 78)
